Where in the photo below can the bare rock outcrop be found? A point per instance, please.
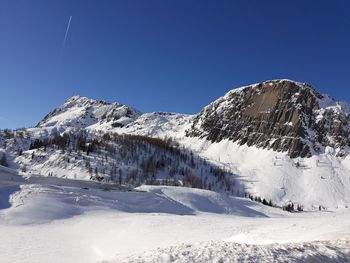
(282, 115)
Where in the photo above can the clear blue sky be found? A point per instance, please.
(164, 55)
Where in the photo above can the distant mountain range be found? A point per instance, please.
(282, 115)
(280, 140)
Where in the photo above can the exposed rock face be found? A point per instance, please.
(281, 115)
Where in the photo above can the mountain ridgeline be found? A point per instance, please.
(281, 115)
(254, 140)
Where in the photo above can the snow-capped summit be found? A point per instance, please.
(282, 115)
(82, 112)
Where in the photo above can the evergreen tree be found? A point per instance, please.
(3, 160)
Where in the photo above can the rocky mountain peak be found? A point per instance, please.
(282, 115)
(77, 98)
(82, 101)
(82, 112)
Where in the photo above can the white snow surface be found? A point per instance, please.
(226, 252)
(46, 219)
(320, 180)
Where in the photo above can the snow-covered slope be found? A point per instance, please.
(158, 124)
(322, 180)
(39, 200)
(47, 219)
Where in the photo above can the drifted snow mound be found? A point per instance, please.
(225, 252)
(44, 199)
(204, 201)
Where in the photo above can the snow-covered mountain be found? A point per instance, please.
(282, 115)
(80, 112)
(280, 140)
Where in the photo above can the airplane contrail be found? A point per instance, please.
(66, 34)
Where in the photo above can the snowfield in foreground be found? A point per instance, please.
(225, 252)
(45, 219)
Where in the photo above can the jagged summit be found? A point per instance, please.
(274, 82)
(82, 112)
(82, 100)
(77, 97)
(282, 115)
